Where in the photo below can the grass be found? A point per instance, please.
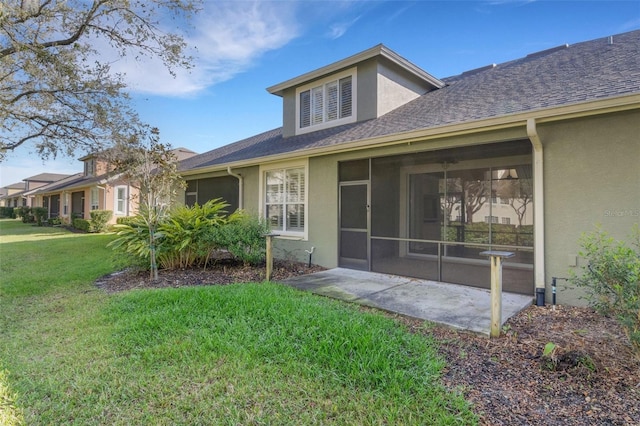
(238, 354)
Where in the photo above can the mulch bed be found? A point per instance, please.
(223, 272)
(591, 378)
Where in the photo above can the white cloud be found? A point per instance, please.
(338, 29)
(227, 38)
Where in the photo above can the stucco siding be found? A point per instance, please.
(395, 88)
(592, 177)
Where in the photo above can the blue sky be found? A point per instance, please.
(243, 47)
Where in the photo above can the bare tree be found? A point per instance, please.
(152, 168)
(57, 90)
(475, 195)
(519, 192)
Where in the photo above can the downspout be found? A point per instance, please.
(538, 210)
(240, 187)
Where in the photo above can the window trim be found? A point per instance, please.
(304, 164)
(116, 199)
(351, 72)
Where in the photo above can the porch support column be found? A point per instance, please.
(538, 211)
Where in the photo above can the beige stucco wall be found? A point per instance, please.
(591, 177)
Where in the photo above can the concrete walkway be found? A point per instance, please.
(454, 305)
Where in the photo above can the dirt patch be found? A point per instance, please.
(588, 377)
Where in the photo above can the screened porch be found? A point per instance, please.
(429, 215)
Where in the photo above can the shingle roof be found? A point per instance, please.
(69, 181)
(592, 70)
(46, 177)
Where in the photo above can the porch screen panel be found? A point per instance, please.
(225, 187)
(432, 213)
(426, 207)
(77, 204)
(353, 170)
(55, 206)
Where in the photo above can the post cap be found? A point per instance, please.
(497, 253)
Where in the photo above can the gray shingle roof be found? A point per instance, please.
(68, 182)
(46, 177)
(592, 70)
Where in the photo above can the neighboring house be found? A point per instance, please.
(12, 195)
(93, 189)
(383, 167)
(18, 194)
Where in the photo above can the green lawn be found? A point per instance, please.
(248, 354)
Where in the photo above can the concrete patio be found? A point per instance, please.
(458, 306)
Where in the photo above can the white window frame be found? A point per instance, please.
(264, 169)
(94, 199)
(125, 200)
(323, 83)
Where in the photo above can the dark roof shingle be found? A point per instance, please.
(566, 75)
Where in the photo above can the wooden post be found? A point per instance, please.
(269, 257)
(496, 288)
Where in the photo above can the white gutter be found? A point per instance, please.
(240, 187)
(538, 206)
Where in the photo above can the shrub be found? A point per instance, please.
(133, 238)
(7, 212)
(40, 214)
(126, 220)
(181, 237)
(612, 279)
(81, 224)
(25, 214)
(184, 237)
(99, 220)
(244, 237)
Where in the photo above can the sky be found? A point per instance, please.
(242, 47)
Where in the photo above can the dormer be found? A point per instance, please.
(361, 87)
(93, 165)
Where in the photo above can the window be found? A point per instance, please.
(491, 219)
(121, 200)
(94, 199)
(326, 103)
(506, 221)
(285, 199)
(90, 167)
